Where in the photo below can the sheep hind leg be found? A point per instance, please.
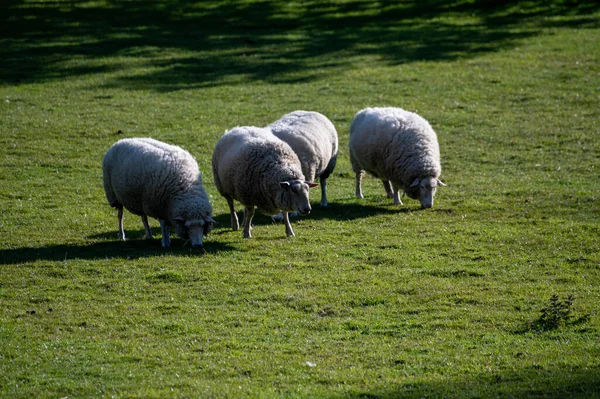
(121, 233)
(288, 226)
(359, 177)
(147, 227)
(388, 189)
(248, 215)
(235, 224)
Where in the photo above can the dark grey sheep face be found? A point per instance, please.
(297, 194)
(424, 190)
(194, 229)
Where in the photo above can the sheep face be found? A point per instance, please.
(194, 229)
(424, 190)
(295, 196)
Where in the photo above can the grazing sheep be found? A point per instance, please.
(152, 178)
(254, 167)
(314, 139)
(398, 147)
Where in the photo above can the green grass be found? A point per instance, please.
(369, 300)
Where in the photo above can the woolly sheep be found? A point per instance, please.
(254, 167)
(156, 179)
(398, 147)
(314, 139)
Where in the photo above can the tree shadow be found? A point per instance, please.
(181, 44)
(531, 381)
(133, 248)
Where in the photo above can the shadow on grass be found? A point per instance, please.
(357, 210)
(335, 211)
(182, 44)
(135, 247)
(531, 381)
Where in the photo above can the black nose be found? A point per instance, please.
(304, 211)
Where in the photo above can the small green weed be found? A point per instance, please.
(557, 313)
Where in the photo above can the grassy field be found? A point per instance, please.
(369, 300)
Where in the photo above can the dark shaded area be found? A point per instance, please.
(357, 210)
(334, 211)
(137, 246)
(532, 381)
(134, 248)
(241, 41)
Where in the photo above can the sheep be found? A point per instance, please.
(398, 147)
(314, 139)
(156, 179)
(254, 167)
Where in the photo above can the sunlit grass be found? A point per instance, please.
(369, 299)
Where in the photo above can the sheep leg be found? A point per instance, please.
(277, 218)
(288, 226)
(121, 233)
(388, 189)
(323, 191)
(235, 224)
(397, 200)
(248, 215)
(147, 227)
(359, 176)
(166, 234)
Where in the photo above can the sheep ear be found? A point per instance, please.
(311, 184)
(211, 220)
(284, 184)
(441, 183)
(415, 182)
(179, 219)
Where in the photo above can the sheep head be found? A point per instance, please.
(194, 229)
(424, 190)
(295, 196)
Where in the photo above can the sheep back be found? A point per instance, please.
(248, 165)
(312, 137)
(394, 144)
(152, 178)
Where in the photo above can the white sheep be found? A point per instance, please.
(156, 179)
(398, 147)
(254, 167)
(314, 139)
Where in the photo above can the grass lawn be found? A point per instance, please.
(492, 293)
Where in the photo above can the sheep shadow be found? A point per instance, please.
(339, 211)
(347, 211)
(135, 247)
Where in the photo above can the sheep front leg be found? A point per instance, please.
(147, 227)
(359, 176)
(166, 234)
(388, 189)
(248, 215)
(121, 233)
(288, 226)
(397, 200)
(323, 191)
(235, 224)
